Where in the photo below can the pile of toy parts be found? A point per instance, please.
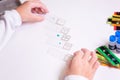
(107, 57)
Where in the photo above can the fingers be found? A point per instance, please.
(86, 55)
(39, 6)
(78, 54)
(93, 62)
(93, 58)
(37, 11)
(83, 53)
(95, 66)
(94, 69)
(77, 57)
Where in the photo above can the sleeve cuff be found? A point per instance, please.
(75, 77)
(14, 17)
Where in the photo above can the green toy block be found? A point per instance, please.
(109, 55)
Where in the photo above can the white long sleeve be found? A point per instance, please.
(8, 23)
(75, 77)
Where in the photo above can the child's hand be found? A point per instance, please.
(84, 63)
(32, 11)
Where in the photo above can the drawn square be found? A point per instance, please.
(60, 22)
(65, 37)
(67, 46)
(65, 30)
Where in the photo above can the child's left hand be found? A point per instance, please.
(32, 11)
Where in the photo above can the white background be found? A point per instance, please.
(25, 56)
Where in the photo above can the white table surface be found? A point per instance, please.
(26, 56)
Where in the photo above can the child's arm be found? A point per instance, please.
(75, 77)
(30, 11)
(8, 23)
(82, 66)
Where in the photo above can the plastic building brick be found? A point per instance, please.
(109, 55)
(116, 28)
(116, 13)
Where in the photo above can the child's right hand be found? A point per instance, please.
(84, 63)
(32, 11)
